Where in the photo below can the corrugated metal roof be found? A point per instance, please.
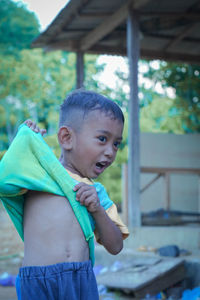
(169, 29)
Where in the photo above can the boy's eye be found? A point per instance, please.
(102, 138)
(117, 144)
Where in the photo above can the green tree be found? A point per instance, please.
(161, 116)
(32, 86)
(185, 80)
(18, 27)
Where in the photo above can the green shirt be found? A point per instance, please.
(30, 164)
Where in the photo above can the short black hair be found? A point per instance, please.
(80, 102)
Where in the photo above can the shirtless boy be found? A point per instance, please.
(56, 261)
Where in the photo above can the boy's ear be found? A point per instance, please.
(65, 135)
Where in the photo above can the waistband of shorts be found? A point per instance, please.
(49, 270)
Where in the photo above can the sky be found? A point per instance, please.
(45, 10)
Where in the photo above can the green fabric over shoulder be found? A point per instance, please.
(30, 164)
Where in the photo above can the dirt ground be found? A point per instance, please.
(11, 253)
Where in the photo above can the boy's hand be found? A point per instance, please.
(110, 235)
(33, 126)
(87, 196)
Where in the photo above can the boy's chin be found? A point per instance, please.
(94, 176)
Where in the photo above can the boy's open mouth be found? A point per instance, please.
(101, 165)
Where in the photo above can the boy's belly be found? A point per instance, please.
(52, 233)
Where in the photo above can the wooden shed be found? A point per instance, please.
(149, 29)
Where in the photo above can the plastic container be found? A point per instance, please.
(7, 279)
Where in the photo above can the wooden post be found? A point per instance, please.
(79, 70)
(167, 190)
(125, 193)
(134, 214)
(199, 193)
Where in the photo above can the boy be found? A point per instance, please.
(57, 256)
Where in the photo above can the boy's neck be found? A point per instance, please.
(73, 174)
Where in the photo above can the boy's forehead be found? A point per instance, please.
(101, 118)
(100, 115)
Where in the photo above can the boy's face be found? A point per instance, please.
(95, 146)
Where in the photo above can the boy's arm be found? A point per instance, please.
(109, 234)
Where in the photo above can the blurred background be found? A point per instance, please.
(35, 81)
(33, 84)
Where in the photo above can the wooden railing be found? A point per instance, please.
(164, 172)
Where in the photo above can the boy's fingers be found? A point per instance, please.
(78, 186)
(83, 196)
(43, 131)
(75, 188)
(28, 122)
(33, 126)
(82, 191)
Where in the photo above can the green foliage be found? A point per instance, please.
(185, 80)
(52, 141)
(2, 154)
(18, 27)
(158, 112)
(161, 116)
(33, 85)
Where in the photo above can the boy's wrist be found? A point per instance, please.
(98, 211)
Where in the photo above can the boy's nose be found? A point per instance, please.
(109, 152)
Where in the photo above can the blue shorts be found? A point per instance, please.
(63, 281)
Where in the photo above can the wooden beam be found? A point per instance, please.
(134, 214)
(98, 49)
(138, 4)
(109, 24)
(63, 19)
(170, 56)
(186, 31)
(150, 183)
(164, 170)
(104, 28)
(188, 15)
(148, 54)
(72, 46)
(154, 35)
(95, 14)
(180, 37)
